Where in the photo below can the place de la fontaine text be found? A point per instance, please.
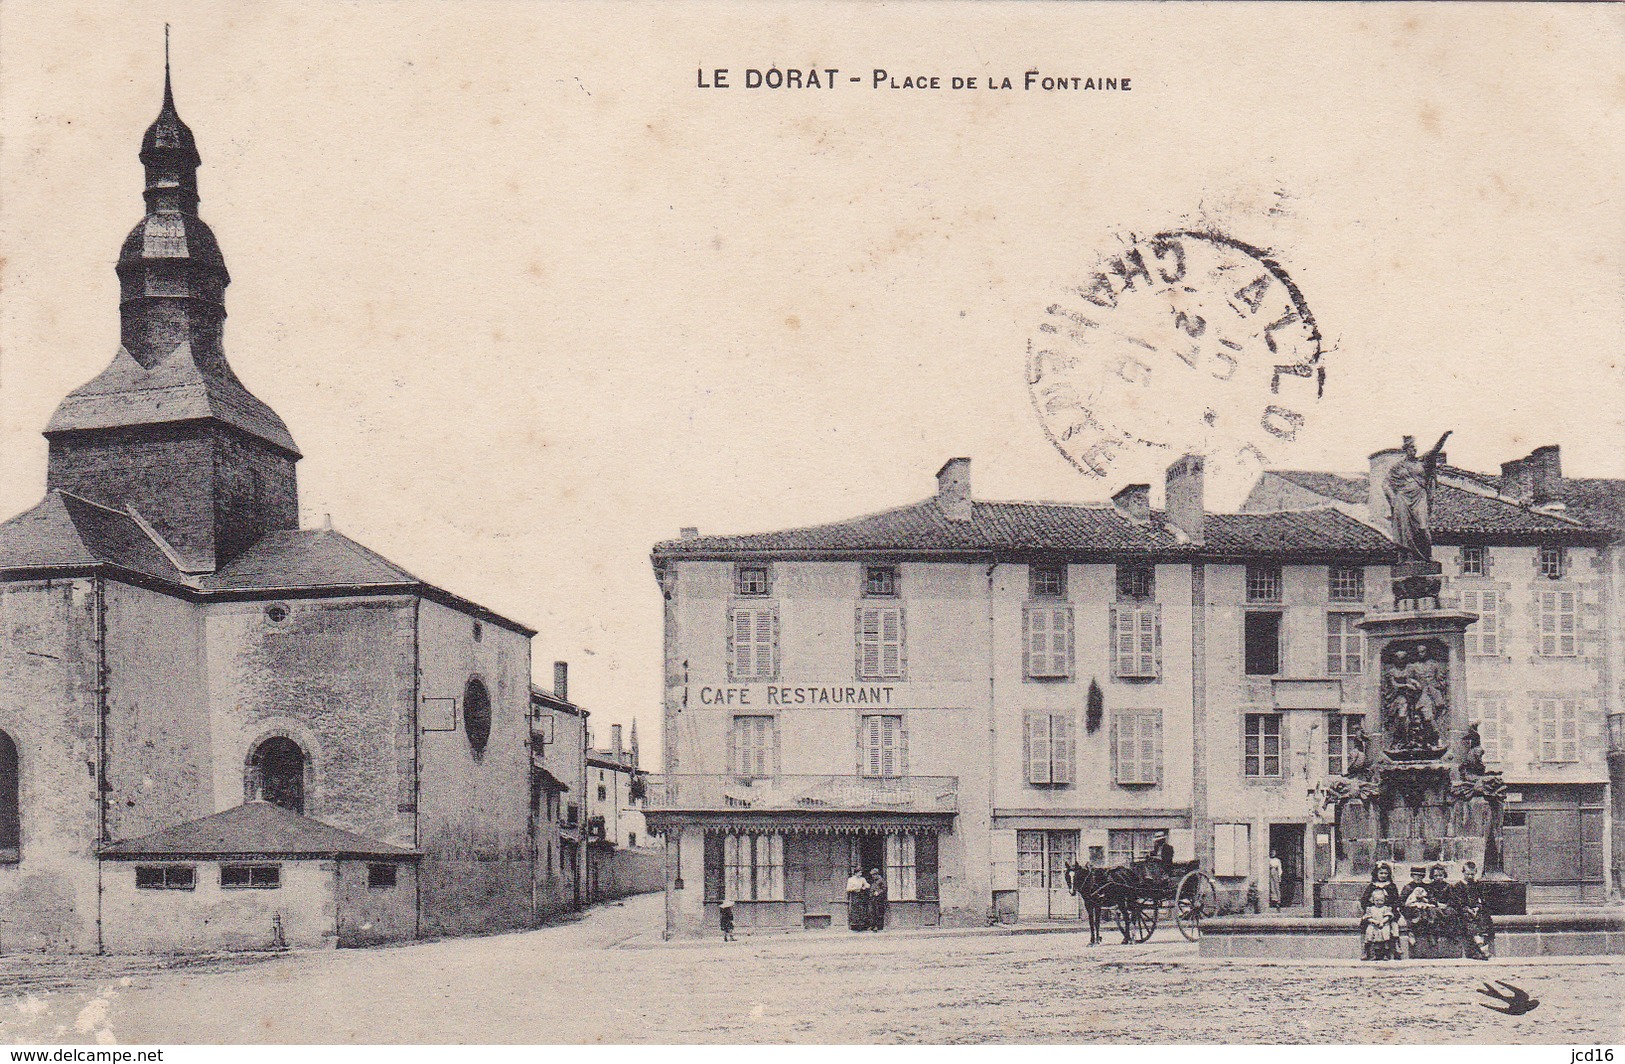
(773, 78)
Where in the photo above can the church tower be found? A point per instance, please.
(167, 429)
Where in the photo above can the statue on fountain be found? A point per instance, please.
(1409, 487)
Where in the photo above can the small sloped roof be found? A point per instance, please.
(295, 559)
(255, 828)
(1051, 527)
(176, 389)
(66, 531)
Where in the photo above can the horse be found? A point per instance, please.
(1102, 889)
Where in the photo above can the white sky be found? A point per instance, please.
(530, 301)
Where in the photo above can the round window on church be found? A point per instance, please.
(477, 715)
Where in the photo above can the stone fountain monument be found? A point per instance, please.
(1415, 790)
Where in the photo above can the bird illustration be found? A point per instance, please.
(1517, 1003)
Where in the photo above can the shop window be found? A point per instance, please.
(881, 746)
(1345, 643)
(880, 650)
(276, 773)
(1136, 641)
(753, 643)
(1137, 748)
(1051, 748)
(477, 716)
(382, 876)
(1124, 846)
(754, 867)
(755, 746)
(250, 877)
(165, 877)
(901, 878)
(1263, 583)
(1261, 756)
(1557, 624)
(1263, 642)
(10, 801)
(1346, 583)
(1047, 632)
(1046, 581)
(1483, 638)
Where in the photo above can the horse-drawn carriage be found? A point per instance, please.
(1137, 893)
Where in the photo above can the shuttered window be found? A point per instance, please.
(1345, 643)
(755, 746)
(1557, 624)
(1048, 636)
(880, 643)
(1137, 748)
(1342, 738)
(1559, 724)
(1484, 637)
(1050, 743)
(882, 747)
(1136, 641)
(753, 643)
(1489, 712)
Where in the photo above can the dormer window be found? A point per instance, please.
(880, 581)
(1553, 562)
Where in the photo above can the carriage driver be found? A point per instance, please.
(1162, 852)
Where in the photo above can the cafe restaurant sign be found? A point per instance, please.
(762, 695)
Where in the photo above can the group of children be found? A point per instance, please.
(1392, 917)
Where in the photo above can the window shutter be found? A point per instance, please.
(733, 645)
(1027, 746)
(1029, 667)
(902, 644)
(902, 746)
(1112, 641)
(1119, 765)
(1156, 650)
(773, 659)
(862, 743)
(1156, 746)
(771, 768)
(925, 866)
(1063, 740)
(1064, 664)
(733, 746)
(1038, 746)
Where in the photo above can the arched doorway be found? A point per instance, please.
(276, 773)
(10, 804)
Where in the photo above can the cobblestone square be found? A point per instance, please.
(607, 978)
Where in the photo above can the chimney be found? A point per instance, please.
(1376, 499)
(953, 489)
(689, 532)
(1545, 465)
(1135, 502)
(1185, 498)
(561, 680)
(634, 748)
(615, 741)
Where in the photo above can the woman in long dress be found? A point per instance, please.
(857, 901)
(1379, 919)
(1276, 872)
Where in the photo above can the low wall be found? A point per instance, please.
(1584, 933)
(622, 873)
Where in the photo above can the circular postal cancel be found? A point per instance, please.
(1189, 342)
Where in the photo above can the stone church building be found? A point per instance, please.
(218, 729)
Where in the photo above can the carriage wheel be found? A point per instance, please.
(1195, 900)
(1136, 918)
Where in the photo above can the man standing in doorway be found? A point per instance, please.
(877, 900)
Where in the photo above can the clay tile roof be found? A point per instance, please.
(67, 532)
(254, 829)
(1043, 527)
(1596, 501)
(1456, 511)
(305, 558)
